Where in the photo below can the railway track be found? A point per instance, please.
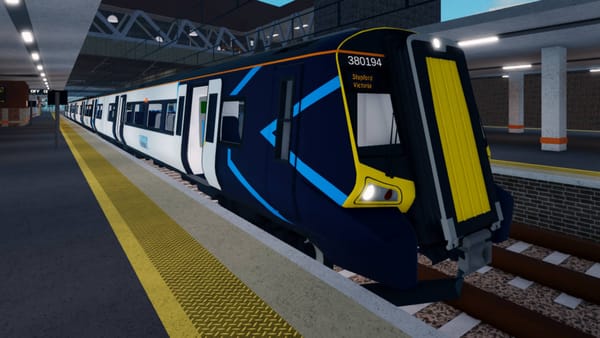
(529, 289)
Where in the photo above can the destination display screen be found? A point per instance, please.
(363, 73)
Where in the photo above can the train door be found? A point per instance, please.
(93, 116)
(120, 118)
(281, 172)
(112, 117)
(209, 148)
(197, 128)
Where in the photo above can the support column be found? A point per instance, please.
(554, 99)
(516, 96)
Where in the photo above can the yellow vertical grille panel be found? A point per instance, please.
(458, 142)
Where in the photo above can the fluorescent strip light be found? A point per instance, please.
(476, 42)
(35, 56)
(516, 67)
(505, 76)
(39, 67)
(12, 2)
(594, 70)
(27, 36)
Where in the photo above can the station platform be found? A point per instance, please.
(581, 154)
(96, 243)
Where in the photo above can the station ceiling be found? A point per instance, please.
(523, 31)
(239, 15)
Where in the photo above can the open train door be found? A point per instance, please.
(194, 138)
(209, 149)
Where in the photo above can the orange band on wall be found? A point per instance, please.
(516, 126)
(553, 140)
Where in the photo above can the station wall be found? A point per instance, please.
(566, 208)
(332, 15)
(583, 100)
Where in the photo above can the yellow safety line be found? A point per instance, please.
(546, 168)
(191, 291)
(176, 322)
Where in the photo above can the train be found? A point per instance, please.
(363, 148)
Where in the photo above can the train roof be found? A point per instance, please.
(328, 42)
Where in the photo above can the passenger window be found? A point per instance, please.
(170, 117)
(112, 112)
(154, 115)
(88, 110)
(129, 114)
(375, 119)
(284, 123)
(99, 111)
(232, 120)
(140, 114)
(211, 114)
(180, 110)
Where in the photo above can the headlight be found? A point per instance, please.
(379, 193)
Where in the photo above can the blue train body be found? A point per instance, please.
(344, 141)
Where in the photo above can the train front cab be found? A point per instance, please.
(419, 146)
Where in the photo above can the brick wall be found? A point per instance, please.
(565, 208)
(583, 100)
(491, 95)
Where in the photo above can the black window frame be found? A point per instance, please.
(112, 112)
(240, 119)
(88, 110)
(211, 112)
(284, 119)
(99, 110)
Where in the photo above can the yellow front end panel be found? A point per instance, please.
(458, 142)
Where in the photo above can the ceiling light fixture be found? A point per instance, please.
(39, 67)
(516, 67)
(477, 42)
(159, 39)
(35, 56)
(297, 28)
(112, 19)
(43, 74)
(594, 70)
(193, 33)
(305, 25)
(505, 76)
(27, 36)
(12, 2)
(275, 35)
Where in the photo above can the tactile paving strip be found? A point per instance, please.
(217, 303)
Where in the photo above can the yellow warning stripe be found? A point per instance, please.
(570, 171)
(191, 291)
